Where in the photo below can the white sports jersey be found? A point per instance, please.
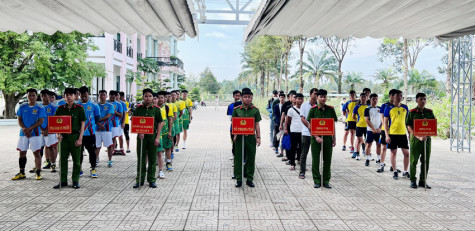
(374, 116)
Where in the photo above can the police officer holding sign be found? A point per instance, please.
(417, 142)
(321, 110)
(71, 143)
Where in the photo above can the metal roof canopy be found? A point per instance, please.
(148, 17)
(361, 18)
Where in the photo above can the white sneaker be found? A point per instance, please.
(358, 157)
(184, 146)
(161, 175)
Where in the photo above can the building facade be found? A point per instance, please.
(118, 53)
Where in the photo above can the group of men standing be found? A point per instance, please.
(95, 125)
(388, 126)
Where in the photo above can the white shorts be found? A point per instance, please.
(121, 131)
(33, 143)
(115, 132)
(103, 139)
(49, 140)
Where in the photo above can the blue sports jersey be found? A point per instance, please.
(117, 108)
(30, 115)
(124, 110)
(92, 110)
(61, 102)
(105, 109)
(50, 109)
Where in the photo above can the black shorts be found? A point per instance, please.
(346, 126)
(351, 125)
(370, 137)
(382, 138)
(398, 141)
(360, 131)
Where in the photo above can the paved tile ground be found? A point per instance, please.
(200, 195)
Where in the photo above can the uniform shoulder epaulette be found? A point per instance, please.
(156, 106)
(139, 105)
(413, 110)
(252, 106)
(428, 109)
(314, 106)
(330, 106)
(237, 107)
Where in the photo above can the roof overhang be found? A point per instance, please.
(147, 17)
(361, 18)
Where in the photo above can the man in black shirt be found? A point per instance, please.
(287, 105)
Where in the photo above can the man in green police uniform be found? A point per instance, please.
(71, 143)
(250, 141)
(149, 142)
(417, 142)
(321, 110)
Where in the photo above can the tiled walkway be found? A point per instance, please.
(199, 193)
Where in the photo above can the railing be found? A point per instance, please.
(117, 46)
(169, 61)
(130, 52)
(139, 55)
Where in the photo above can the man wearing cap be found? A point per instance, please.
(71, 143)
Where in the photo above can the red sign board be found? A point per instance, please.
(142, 124)
(425, 127)
(243, 125)
(59, 124)
(322, 127)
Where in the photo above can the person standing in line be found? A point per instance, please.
(30, 117)
(270, 109)
(104, 127)
(277, 116)
(305, 109)
(382, 138)
(50, 140)
(71, 143)
(181, 107)
(293, 117)
(165, 137)
(93, 115)
(126, 122)
(187, 116)
(116, 121)
(167, 140)
(322, 110)
(395, 123)
(237, 102)
(250, 141)
(287, 105)
(358, 116)
(350, 121)
(147, 143)
(372, 117)
(417, 142)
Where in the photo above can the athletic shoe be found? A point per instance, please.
(177, 149)
(128, 151)
(406, 175)
(391, 169)
(53, 168)
(292, 167)
(19, 176)
(33, 170)
(344, 148)
(109, 164)
(38, 177)
(358, 157)
(354, 155)
(97, 161)
(93, 174)
(47, 166)
(184, 146)
(161, 175)
(395, 176)
(381, 169)
(80, 173)
(173, 156)
(378, 161)
(122, 152)
(169, 167)
(352, 149)
(366, 163)
(280, 155)
(302, 176)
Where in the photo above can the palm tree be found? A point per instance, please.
(354, 79)
(386, 76)
(421, 81)
(319, 65)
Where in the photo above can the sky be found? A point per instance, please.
(220, 46)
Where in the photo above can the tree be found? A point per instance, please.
(422, 81)
(386, 76)
(287, 43)
(354, 79)
(40, 61)
(208, 82)
(338, 47)
(195, 94)
(302, 41)
(319, 65)
(446, 67)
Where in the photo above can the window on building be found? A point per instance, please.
(117, 83)
(118, 36)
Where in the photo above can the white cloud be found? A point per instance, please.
(217, 35)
